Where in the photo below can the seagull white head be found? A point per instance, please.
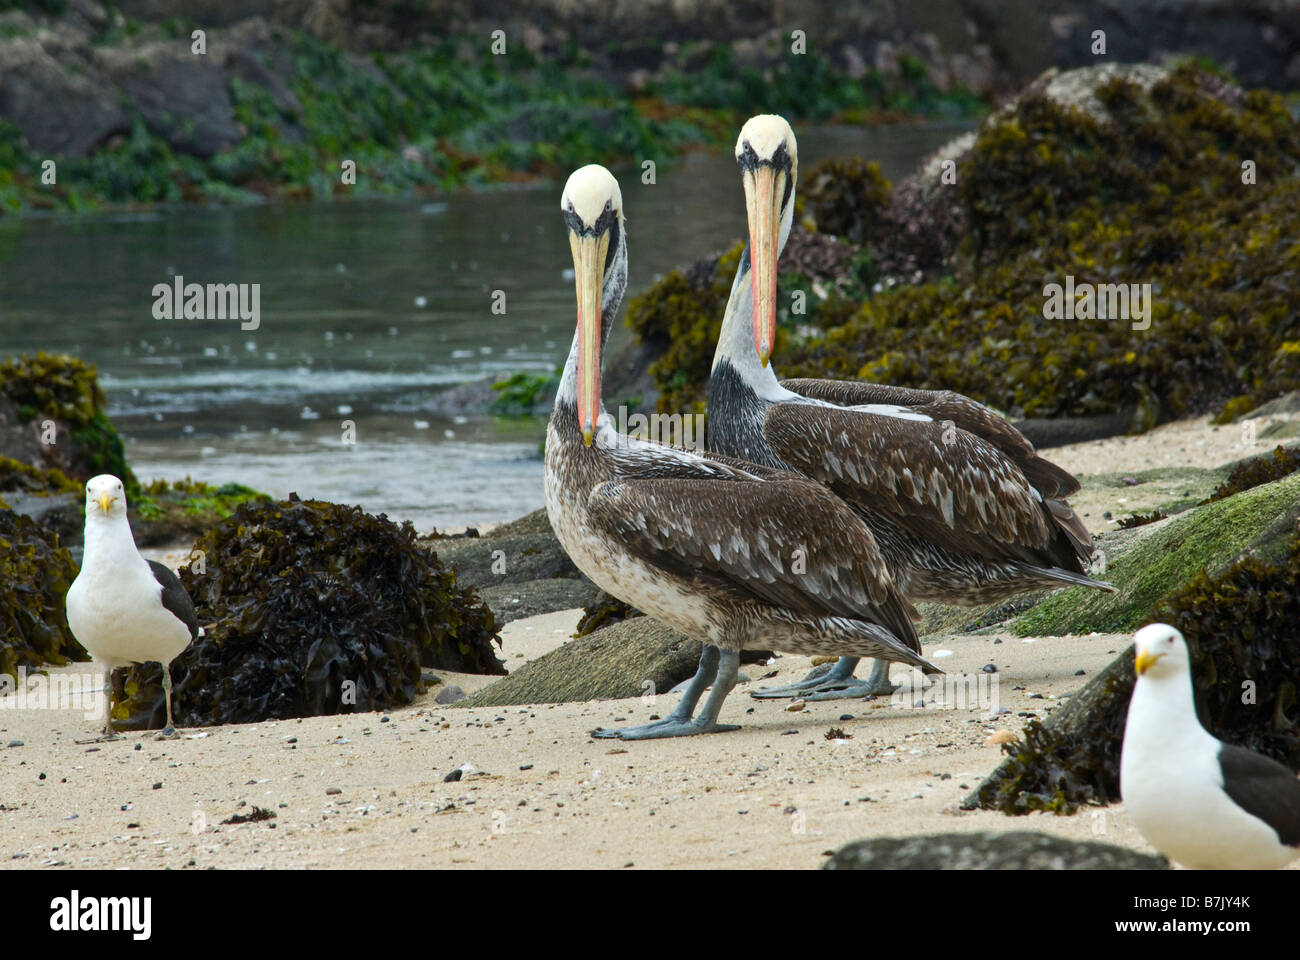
(1161, 653)
(768, 158)
(105, 497)
(592, 205)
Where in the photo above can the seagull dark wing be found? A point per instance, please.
(174, 597)
(1263, 788)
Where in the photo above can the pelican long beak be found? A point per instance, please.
(588, 270)
(1144, 661)
(762, 198)
(104, 501)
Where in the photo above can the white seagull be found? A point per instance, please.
(1206, 804)
(123, 608)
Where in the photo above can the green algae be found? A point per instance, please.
(1206, 538)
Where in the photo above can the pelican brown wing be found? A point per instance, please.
(948, 486)
(963, 412)
(788, 543)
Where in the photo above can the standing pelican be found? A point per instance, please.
(963, 509)
(705, 546)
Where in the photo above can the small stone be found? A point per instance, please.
(138, 747)
(990, 668)
(158, 785)
(1000, 736)
(526, 766)
(846, 716)
(332, 791)
(449, 694)
(453, 776)
(795, 707)
(15, 743)
(1081, 673)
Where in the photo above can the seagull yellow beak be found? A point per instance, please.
(1144, 661)
(104, 501)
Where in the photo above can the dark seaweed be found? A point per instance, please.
(311, 608)
(35, 573)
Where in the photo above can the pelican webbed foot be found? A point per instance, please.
(837, 683)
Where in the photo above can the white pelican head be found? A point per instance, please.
(592, 206)
(769, 165)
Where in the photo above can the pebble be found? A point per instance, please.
(795, 707)
(990, 668)
(15, 743)
(453, 776)
(158, 785)
(846, 716)
(332, 791)
(449, 694)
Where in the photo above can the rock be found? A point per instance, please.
(514, 601)
(183, 98)
(449, 694)
(60, 108)
(1146, 562)
(60, 512)
(1011, 850)
(523, 550)
(613, 663)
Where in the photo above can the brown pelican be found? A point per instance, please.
(963, 509)
(732, 554)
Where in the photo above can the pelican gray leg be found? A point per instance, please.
(838, 683)
(717, 668)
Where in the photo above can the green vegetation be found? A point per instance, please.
(447, 116)
(844, 197)
(168, 511)
(15, 475)
(311, 608)
(522, 394)
(35, 573)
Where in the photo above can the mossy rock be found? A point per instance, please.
(1012, 850)
(167, 512)
(64, 390)
(611, 664)
(35, 574)
(311, 608)
(1240, 630)
(1159, 557)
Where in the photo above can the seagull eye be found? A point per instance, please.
(607, 206)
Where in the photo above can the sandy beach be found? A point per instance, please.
(370, 790)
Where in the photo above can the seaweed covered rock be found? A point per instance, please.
(311, 608)
(1012, 850)
(1240, 630)
(844, 197)
(1147, 562)
(680, 318)
(1256, 471)
(1168, 178)
(35, 573)
(64, 391)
